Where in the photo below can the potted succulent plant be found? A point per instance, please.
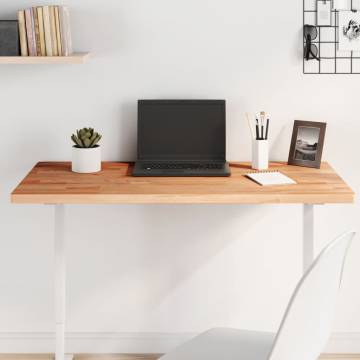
(86, 153)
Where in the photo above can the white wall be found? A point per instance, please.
(168, 269)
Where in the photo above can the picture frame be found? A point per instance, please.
(307, 144)
(349, 31)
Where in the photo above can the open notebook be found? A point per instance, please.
(268, 178)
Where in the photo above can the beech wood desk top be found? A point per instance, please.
(54, 183)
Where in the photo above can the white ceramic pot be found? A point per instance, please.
(85, 160)
(260, 154)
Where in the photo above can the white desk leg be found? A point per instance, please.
(308, 236)
(60, 284)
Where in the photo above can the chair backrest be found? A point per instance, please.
(307, 322)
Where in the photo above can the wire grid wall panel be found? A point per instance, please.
(332, 61)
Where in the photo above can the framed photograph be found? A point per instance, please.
(307, 144)
(349, 31)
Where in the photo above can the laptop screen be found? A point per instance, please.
(181, 130)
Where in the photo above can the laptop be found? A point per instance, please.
(181, 138)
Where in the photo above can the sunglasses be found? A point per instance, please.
(310, 50)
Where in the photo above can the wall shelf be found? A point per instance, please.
(76, 58)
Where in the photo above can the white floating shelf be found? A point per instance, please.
(76, 58)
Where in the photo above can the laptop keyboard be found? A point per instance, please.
(172, 166)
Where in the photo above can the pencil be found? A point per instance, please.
(257, 130)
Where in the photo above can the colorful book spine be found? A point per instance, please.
(47, 31)
(22, 33)
(65, 29)
(30, 32)
(41, 31)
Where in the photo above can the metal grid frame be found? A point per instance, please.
(332, 61)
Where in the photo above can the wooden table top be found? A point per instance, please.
(54, 183)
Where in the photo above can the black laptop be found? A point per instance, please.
(181, 138)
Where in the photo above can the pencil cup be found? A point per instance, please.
(260, 155)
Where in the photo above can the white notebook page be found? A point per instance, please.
(270, 178)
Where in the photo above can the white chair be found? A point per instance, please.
(305, 327)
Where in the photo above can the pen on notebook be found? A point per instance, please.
(250, 127)
(267, 129)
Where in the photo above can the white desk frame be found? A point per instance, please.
(60, 269)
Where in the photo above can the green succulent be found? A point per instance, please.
(86, 138)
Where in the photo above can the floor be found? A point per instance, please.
(145, 357)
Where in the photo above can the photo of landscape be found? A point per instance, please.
(307, 143)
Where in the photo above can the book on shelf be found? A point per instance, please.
(66, 41)
(41, 31)
(37, 31)
(30, 32)
(53, 31)
(58, 31)
(45, 31)
(22, 33)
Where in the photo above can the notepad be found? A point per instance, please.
(268, 178)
